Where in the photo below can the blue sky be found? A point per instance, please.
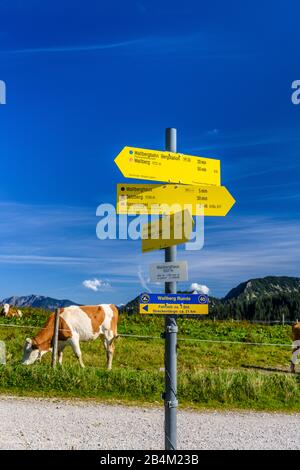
(84, 79)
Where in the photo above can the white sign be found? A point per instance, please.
(168, 272)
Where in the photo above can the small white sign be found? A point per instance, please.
(168, 272)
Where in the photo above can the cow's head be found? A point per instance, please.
(5, 309)
(31, 352)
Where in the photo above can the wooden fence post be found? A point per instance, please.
(2, 353)
(55, 339)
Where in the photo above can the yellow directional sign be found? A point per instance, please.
(167, 231)
(163, 309)
(157, 165)
(173, 304)
(155, 199)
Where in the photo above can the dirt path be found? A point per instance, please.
(28, 423)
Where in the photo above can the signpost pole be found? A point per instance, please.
(170, 395)
(55, 339)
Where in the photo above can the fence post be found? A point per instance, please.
(55, 339)
(2, 353)
(283, 318)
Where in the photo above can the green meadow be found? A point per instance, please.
(210, 374)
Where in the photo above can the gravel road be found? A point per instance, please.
(28, 423)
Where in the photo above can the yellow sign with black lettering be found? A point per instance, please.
(167, 231)
(157, 165)
(160, 199)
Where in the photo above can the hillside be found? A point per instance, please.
(37, 301)
(270, 285)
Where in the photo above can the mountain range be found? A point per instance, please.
(267, 298)
(270, 285)
(264, 299)
(37, 301)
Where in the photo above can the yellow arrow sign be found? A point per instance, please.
(167, 231)
(173, 309)
(173, 304)
(167, 166)
(155, 199)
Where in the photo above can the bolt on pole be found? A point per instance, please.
(170, 395)
(55, 339)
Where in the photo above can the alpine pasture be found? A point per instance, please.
(229, 374)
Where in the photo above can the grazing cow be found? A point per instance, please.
(9, 312)
(5, 310)
(296, 345)
(76, 324)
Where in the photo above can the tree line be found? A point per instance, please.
(264, 308)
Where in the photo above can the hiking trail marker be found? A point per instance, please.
(167, 166)
(173, 304)
(197, 191)
(169, 230)
(152, 198)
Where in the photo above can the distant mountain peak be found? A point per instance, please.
(268, 285)
(38, 301)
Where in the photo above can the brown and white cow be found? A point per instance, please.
(296, 345)
(9, 312)
(76, 324)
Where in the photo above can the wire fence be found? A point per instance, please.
(149, 337)
(197, 340)
(260, 322)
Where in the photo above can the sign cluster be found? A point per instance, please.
(193, 188)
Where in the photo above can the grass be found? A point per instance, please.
(201, 389)
(210, 374)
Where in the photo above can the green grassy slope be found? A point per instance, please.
(210, 374)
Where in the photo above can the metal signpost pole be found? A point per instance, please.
(196, 172)
(55, 339)
(170, 395)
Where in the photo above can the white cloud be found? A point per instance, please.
(96, 284)
(207, 46)
(78, 48)
(199, 288)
